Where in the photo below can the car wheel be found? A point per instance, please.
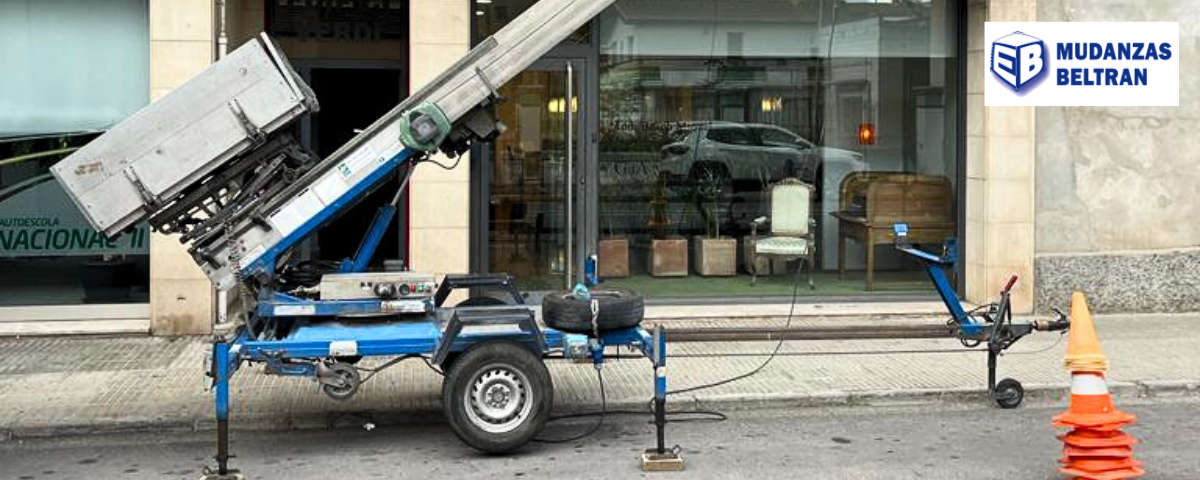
(497, 396)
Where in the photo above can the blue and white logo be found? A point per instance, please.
(1018, 59)
(1078, 64)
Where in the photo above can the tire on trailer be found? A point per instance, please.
(619, 308)
(497, 396)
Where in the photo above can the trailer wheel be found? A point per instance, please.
(497, 396)
(619, 308)
(348, 382)
(1009, 393)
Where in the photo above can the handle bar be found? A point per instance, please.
(1008, 286)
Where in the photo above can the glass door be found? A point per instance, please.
(532, 174)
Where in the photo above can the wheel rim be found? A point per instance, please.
(498, 399)
(349, 382)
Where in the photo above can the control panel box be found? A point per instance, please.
(382, 285)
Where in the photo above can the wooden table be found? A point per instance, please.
(873, 234)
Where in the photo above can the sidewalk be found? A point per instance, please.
(61, 385)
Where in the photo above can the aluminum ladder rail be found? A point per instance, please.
(369, 157)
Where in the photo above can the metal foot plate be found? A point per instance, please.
(669, 461)
(232, 475)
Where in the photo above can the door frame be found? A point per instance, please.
(585, 231)
(304, 67)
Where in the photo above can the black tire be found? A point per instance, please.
(1009, 393)
(510, 371)
(350, 378)
(619, 308)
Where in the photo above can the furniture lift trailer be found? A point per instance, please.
(212, 162)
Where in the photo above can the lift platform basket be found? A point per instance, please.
(144, 162)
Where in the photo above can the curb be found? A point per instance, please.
(1036, 395)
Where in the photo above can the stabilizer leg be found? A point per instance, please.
(221, 375)
(661, 459)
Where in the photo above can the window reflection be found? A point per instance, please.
(706, 105)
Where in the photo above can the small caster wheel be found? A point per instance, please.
(1009, 393)
(342, 381)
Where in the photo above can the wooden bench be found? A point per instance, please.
(871, 202)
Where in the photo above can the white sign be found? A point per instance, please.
(1099, 64)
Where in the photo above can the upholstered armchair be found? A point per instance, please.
(792, 225)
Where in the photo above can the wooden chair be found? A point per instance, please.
(792, 227)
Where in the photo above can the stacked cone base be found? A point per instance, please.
(1096, 448)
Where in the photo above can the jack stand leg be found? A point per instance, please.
(992, 354)
(660, 459)
(221, 386)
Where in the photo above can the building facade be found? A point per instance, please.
(675, 119)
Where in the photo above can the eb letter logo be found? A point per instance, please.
(1018, 59)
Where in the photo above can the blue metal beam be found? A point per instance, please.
(366, 250)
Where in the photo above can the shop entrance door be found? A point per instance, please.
(532, 177)
(352, 95)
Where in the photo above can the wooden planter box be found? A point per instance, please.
(716, 257)
(613, 259)
(669, 257)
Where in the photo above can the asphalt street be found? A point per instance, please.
(967, 442)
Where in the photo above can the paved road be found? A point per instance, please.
(862, 443)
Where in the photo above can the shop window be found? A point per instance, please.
(492, 15)
(49, 253)
(705, 106)
(71, 70)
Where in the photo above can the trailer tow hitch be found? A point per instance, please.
(991, 323)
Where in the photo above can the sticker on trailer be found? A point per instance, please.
(295, 310)
(345, 348)
(296, 212)
(330, 189)
(392, 149)
(361, 162)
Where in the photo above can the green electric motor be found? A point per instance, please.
(424, 127)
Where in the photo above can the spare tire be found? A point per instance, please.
(619, 308)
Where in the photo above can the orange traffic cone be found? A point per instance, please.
(1083, 345)
(1096, 448)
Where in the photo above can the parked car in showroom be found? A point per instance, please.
(738, 161)
(748, 156)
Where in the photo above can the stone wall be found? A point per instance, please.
(1118, 189)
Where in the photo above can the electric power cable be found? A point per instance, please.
(760, 367)
(596, 426)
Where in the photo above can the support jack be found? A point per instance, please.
(220, 372)
(660, 458)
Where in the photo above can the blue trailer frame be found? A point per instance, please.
(423, 337)
(316, 334)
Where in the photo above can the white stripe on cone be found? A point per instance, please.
(1088, 384)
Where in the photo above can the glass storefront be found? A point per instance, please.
(704, 108)
(62, 85)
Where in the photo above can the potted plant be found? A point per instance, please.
(716, 256)
(668, 253)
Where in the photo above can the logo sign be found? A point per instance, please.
(1018, 59)
(1081, 64)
